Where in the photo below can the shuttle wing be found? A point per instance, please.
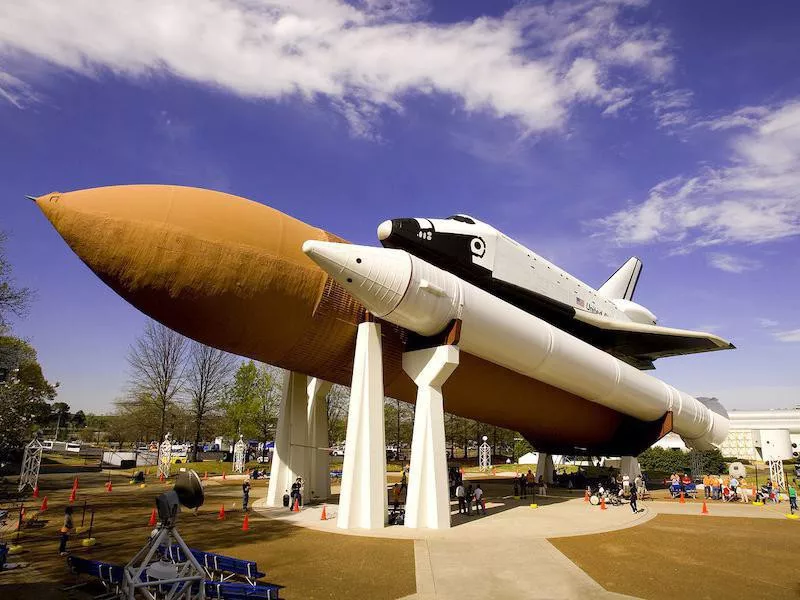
(643, 343)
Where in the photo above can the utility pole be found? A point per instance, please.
(58, 425)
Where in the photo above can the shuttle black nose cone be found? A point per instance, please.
(391, 232)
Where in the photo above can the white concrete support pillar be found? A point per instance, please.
(363, 502)
(428, 497)
(628, 465)
(290, 456)
(319, 461)
(544, 467)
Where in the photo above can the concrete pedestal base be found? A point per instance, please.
(290, 456)
(628, 465)
(318, 485)
(363, 502)
(544, 467)
(302, 431)
(428, 497)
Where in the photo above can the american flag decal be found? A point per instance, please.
(580, 302)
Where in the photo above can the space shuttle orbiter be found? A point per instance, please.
(606, 318)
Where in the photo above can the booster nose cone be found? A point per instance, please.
(384, 230)
(377, 277)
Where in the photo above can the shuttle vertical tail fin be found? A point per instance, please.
(622, 283)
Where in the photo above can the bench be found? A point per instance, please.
(110, 575)
(231, 590)
(212, 563)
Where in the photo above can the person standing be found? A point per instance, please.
(479, 501)
(66, 530)
(396, 496)
(245, 493)
(793, 496)
(469, 494)
(462, 506)
(707, 486)
(634, 493)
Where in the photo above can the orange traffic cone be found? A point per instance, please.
(705, 508)
(109, 487)
(324, 515)
(72, 496)
(221, 515)
(603, 504)
(296, 507)
(161, 478)
(246, 523)
(36, 491)
(682, 500)
(44, 505)
(152, 518)
(586, 496)
(75, 484)
(494, 471)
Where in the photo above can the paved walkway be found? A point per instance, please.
(506, 553)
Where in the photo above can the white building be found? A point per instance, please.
(753, 433)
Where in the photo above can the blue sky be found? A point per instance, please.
(589, 132)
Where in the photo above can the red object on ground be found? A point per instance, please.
(161, 478)
(44, 505)
(586, 496)
(36, 491)
(682, 500)
(72, 496)
(221, 514)
(603, 504)
(152, 518)
(705, 508)
(324, 515)
(246, 523)
(75, 484)
(296, 507)
(109, 486)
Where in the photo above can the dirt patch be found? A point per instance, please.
(674, 556)
(310, 564)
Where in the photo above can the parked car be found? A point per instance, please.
(337, 452)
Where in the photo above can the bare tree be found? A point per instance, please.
(13, 299)
(157, 362)
(208, 373)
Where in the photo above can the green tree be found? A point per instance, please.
(338, 402)
(268, 393)
(241, 402)
(24, 399)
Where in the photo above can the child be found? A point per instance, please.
(793, 496)
(66, 529)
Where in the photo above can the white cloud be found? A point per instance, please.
(15, 91)
(531, 65)
(672, 108)
(755, 198)
(767, 323)
(731, 263)
(788, 336)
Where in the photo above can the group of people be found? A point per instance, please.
(466, 497)
(528, 482)
(726, 487)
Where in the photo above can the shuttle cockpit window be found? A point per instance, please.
(462, 218)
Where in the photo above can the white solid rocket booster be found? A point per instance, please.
(407, 291)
